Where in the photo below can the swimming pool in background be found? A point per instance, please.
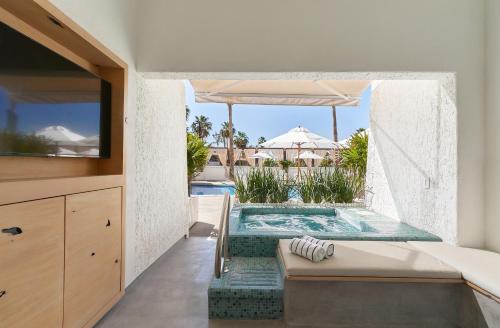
(201, 189)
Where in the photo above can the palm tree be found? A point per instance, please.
(201, 126)
(241, 140)
(218, 139)
(261, 140)
(224, 132)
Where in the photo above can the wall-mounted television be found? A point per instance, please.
(50, 106)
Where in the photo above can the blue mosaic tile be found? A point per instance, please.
(252, 289)
(366, 225)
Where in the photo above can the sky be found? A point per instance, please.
(272, 121)
(81, 118)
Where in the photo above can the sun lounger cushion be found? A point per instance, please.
(369, 259)
(480, 267)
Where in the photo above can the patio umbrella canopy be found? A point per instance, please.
(280, 92)
(299, 137)
(308, 155)
(262, 156)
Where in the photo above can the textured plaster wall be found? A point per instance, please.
(492, 176)
(114, 26)
(161, 170)
(156, 202)
(412, 171)
(335, 36)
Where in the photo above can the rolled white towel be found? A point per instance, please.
(308, 250)
(326, 244)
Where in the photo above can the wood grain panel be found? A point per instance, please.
(69, 34)
(32, 264)
(93, 254)
(14, 191)
(44, 167)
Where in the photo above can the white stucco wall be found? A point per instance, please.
(492, 176)
(335, 36)
(161, 169)
(412, 170)
(114, 25)
(213, 173)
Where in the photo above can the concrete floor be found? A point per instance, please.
(209, 208)
(172, 293)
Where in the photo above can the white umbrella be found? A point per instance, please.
(261, 156)
(264, 156)
(308, 155)
(299, 137)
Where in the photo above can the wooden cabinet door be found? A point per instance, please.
(32, 264)
(93, 254)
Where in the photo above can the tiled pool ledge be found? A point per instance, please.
(372, 226)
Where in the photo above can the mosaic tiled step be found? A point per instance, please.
(252, 289)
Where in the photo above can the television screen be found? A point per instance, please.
(49, 106)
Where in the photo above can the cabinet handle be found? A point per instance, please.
(2, 293)
(108, 224)
(92, 254)
(13, 231)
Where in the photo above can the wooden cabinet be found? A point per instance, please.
(93, 254)
(60, 260)
(32, 264)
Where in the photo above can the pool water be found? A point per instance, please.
(211, 189)
(301, 223)
(255, 229)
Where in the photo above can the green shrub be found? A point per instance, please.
(305, 188)
(335, 185)
(262, 186)
(354, 157)
(197, 157)
(285, 164)
(299, 162)
(327, 161)
(269, 162)
(340, 186)
(265, 185)
(311, 187)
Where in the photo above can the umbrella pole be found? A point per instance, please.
(230, 150)
(334, 117)
(298, 160)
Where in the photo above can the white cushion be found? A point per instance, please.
(369, 259)
(480, 267)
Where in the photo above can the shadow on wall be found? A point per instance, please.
(412, 166)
